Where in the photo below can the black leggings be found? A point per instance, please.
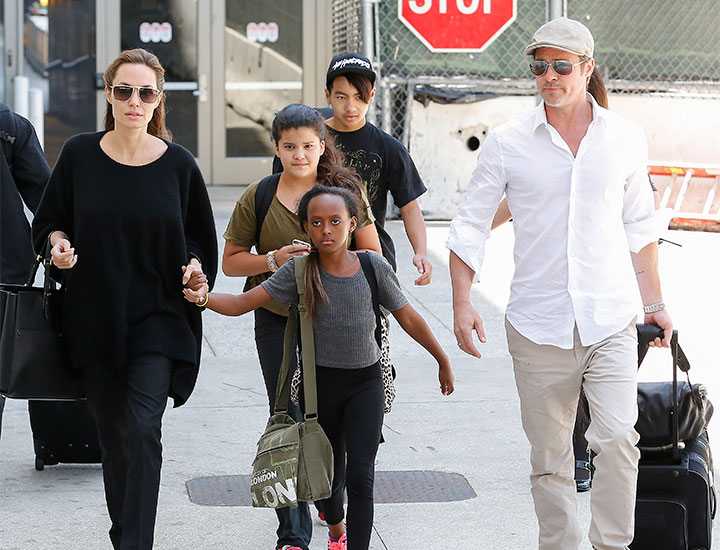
(350, 410)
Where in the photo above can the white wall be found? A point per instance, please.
(681, 130)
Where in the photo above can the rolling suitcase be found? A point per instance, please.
(676, 497)
(63, 431)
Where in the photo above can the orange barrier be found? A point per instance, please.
(694, 203)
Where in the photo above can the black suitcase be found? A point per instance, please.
(63, 431)
(675, 493)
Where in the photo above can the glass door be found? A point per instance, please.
(260, 71)
(60, 58)
(176, 31)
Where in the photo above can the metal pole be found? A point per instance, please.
(21, 87)
(37, 114)
(386, 102)
(557, 9)
(368, 40)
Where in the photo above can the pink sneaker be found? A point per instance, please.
(340, 544)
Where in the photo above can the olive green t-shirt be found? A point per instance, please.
(279, 229)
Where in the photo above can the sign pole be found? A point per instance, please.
(558, 8)
(368, 43)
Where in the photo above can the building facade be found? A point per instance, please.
(231, 64)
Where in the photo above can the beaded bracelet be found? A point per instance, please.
(270, 259)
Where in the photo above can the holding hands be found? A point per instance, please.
(194, 281)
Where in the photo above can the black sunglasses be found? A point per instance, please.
(560, 66)
(124, 93)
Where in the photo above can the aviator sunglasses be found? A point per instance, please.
(124, 93)
(560, 66)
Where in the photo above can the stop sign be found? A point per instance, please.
(457, 25)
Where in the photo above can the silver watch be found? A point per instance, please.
(652, 308)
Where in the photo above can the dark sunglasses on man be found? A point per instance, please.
(560, 66)
(124, 93)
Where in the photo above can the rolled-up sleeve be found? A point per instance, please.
(642, 226)
(471, 227)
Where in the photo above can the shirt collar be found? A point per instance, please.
(540, 117)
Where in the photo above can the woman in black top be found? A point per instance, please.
(129, 221)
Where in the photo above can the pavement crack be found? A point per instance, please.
(249, 390)
(391, 429)
(212, 350)
(381, 539)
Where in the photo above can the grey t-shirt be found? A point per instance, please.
(344, 327)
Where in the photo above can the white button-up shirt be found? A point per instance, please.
(576, 220)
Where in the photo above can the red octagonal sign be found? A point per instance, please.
(457, 25)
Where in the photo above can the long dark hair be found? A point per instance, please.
(313, 285)
(331, 168)
(597, 89)
(156, 126)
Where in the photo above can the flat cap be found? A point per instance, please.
(563, 34)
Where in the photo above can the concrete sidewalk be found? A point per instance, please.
(475, 432)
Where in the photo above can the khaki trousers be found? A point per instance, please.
(549, 380)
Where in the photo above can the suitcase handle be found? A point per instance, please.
(646, 334)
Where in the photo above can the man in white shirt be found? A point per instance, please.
(575, 176)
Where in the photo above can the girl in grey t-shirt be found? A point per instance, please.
(349, 382)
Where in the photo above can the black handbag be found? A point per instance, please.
(660, 416)
(34, 362)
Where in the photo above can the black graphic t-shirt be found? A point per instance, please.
(384, 165)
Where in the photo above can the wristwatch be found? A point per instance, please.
(652, 308)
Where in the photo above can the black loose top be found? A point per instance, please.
(384, 165)
(133, 228)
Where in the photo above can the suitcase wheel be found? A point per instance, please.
(39, 464)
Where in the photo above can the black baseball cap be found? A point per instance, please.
(350, 62)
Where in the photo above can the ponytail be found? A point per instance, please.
(314, 289)
(332, 171)
(596, 88)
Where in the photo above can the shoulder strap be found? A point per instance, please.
(264, 194)
(298, 316)
(369, 271)
(307, 339)
(7, 134)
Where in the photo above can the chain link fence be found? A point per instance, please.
(655, 46)
(645, 46)
(347, 26)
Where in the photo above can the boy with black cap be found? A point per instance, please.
(382, 162)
